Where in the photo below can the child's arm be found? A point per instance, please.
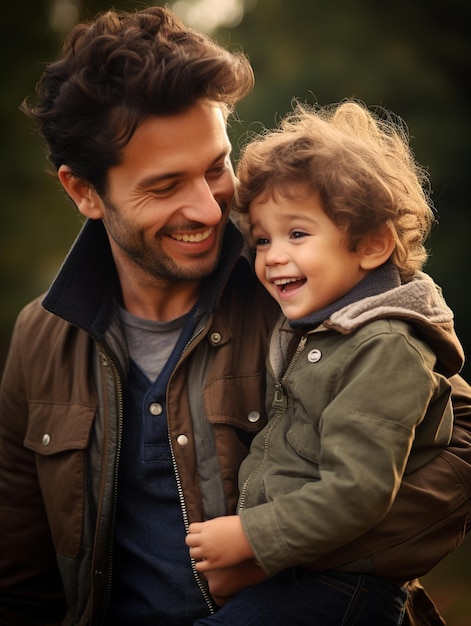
(217, 543)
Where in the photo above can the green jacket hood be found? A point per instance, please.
(420, 303)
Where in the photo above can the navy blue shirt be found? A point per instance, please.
(153, 581)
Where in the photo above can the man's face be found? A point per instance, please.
(168, 201)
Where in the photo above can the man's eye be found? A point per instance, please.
(164, 191)
(215, 172)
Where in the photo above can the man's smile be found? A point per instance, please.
(192, 237)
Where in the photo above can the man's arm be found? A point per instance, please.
(431, 513)
(428, 520)
(30, 587)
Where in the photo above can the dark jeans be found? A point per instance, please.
(301, 597)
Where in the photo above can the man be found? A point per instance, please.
(133, 389)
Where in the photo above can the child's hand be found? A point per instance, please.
(217, 543)
(225, 583)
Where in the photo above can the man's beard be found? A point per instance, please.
(152, 261)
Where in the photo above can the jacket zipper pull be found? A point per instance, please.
(279, 399)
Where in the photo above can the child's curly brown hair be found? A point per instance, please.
(361, 164)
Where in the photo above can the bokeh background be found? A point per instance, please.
(410, 56)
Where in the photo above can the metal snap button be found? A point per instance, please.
(314, 356)
(182, 440)
(215, 338)
(155, 408)
(253, 416)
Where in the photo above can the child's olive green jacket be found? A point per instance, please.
(364, 400)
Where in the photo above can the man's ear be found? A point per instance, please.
(376, 248)
(82, 193)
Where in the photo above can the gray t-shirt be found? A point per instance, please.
(150, 343)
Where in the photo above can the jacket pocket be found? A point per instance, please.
(305, 440)
(237, 401)
(59, 434)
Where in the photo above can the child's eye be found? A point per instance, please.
(297, 234)
(261, 241)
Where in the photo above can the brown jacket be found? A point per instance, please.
(60, 424)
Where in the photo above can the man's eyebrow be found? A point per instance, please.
(154, 179)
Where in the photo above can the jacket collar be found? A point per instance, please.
(378, 281)
(86, 286)
(381, 295)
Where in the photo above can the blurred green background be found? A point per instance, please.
(410, 56)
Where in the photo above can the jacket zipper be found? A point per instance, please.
(280, 401)
(109, 561)
(300, 347)
(204, 592)
(181, 497)
(119, 403)
(273, 422)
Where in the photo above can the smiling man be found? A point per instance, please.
(144, 366)
(164, 211)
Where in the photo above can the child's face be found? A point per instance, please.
(302, 258)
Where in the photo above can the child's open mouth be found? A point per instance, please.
(288, 284)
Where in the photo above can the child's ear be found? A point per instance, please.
(82, 193)
(376, 248)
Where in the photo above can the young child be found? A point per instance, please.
(357, 389)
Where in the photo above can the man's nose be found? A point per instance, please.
(205, 205)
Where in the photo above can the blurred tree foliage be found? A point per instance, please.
(411, 57)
